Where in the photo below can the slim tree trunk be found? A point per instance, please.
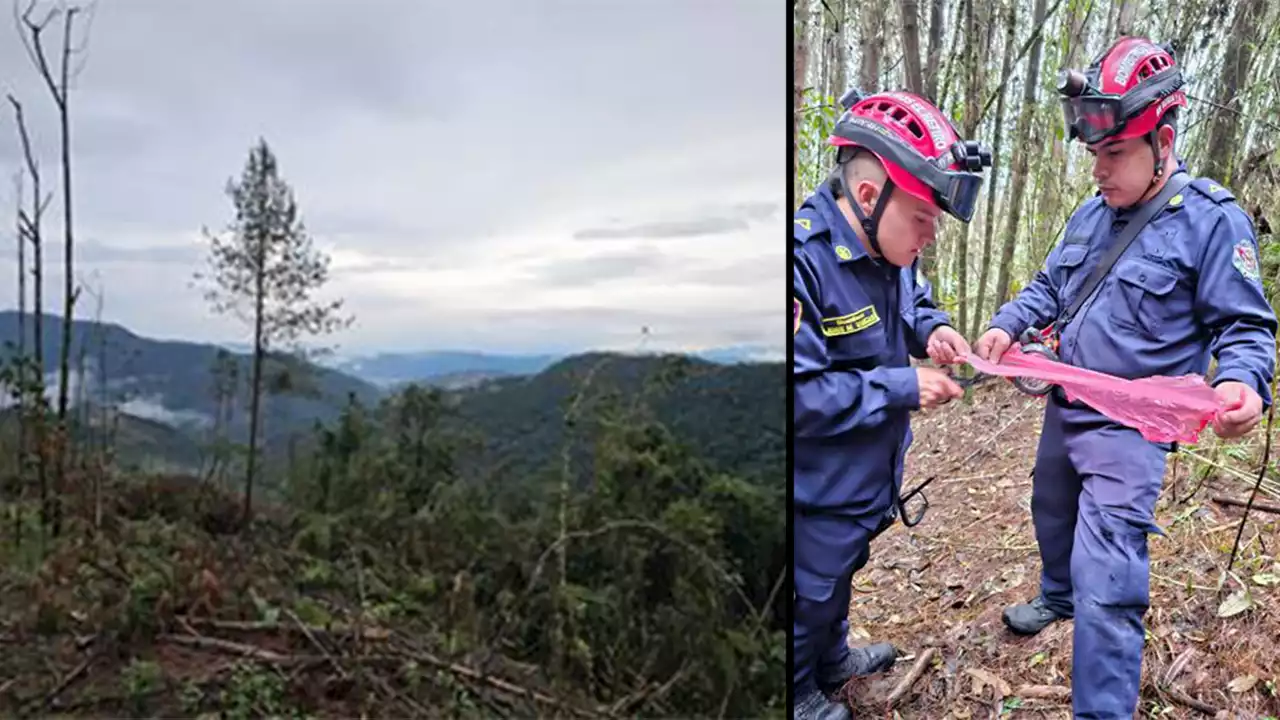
(871, 45)
(68, 282)
(801, 67)
(911, 44)
(20, 479)
(1006, 67)
(33, 223)
(934, 49)
(839, 50)
(1220, 160)
(1021, 160)
(969, 128)
(255, 392)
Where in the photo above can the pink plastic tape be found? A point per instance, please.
(1163, 409)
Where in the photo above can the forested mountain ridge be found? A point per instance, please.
(169, 386)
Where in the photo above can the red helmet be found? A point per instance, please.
(1123, 94)
(919, 147)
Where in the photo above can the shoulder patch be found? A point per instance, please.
(1212, 190)
(807, 225)
(1245, 260)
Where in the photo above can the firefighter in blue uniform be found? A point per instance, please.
(861, 309)
(1187, 287)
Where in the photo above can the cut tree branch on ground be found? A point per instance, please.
(904, 686)
(71, 677)
(1259, 506)
(463, 672)
(1185, 700)
(1044, 692)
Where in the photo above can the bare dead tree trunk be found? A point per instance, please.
(30, 226)
(20, 477)
(108, 439)
(934, 50)
(59, 90)
(911, 44)
(1220, 160)
(1006, 68)
(1021, 160)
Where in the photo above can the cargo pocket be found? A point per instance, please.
(1142, 298)
(1125, 578)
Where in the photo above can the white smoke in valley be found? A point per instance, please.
(84, 387)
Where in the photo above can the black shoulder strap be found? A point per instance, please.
(1175, 185)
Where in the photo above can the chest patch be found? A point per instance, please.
(852, 323)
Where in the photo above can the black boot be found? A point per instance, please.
(1031, 618)
(859, 662)
(811, 704)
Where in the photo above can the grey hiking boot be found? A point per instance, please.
(859, 662)
(811, 704)
(1031, 618)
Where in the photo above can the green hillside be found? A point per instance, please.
(733, 415)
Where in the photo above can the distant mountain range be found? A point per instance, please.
(456, 369)
(518, 400)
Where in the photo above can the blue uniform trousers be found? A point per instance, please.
(828, 550)
(1093, 504)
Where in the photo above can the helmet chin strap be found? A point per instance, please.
(870, 225)
(1153, 139)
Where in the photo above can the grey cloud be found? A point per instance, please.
(666, 230)
(731, 218)
(94, 252)
(758, 210)
(417, 135)
(767, 272)
(599, 268)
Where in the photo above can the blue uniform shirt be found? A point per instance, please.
(859, 321)
(1188, 286)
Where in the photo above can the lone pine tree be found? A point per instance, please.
(264, 270)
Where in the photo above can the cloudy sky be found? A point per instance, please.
(507, 176)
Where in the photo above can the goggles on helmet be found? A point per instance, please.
(1093, 117)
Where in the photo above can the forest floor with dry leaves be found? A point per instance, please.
(937, 590)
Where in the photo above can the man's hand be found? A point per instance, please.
(936, 388)
(993, 344)
(945, 345)
(1244, 410)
